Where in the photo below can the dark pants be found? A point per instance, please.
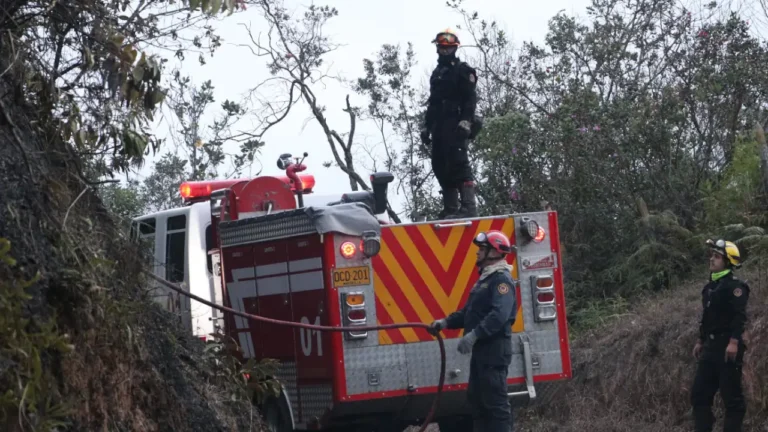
(712, 374)
(487, 394)
(450, 160)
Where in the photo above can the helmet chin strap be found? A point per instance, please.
(485, 260)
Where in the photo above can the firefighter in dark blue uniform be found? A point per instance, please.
(450, 119)
(487, 319)
(720, 347)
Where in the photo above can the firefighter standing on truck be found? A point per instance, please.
(720, 348)
(487, 319)
(449, 121)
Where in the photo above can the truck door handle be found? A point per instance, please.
(449, 225)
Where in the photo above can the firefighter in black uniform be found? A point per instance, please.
(487, 319)
(720, 348)
(449, 121)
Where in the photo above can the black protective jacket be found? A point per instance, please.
(725, 308)
(452, 93)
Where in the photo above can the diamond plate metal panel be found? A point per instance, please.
(424, 364)
(423, 360)
(286, 374)
(315, 400)
(263, 228)
(383, 364)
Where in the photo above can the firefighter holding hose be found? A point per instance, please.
(720, 347)
(487, 319)
(449, 124)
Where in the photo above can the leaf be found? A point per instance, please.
(138, 73)
(80, 139)
(215, 7)
(158, 96)
(205, 5)
(89, 61)
(193, 4)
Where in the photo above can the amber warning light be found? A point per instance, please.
(201, 190)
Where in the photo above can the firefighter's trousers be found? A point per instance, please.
(712, 374)
(487, 395)
(450, 159)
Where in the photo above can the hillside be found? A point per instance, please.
(634, 373)
(82, 347)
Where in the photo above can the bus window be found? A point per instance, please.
(143, 232)
(175, 248)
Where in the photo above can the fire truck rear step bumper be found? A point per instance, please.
(530, 391)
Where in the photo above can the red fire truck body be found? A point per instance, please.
(338, 265)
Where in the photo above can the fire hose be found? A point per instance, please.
(441, 382)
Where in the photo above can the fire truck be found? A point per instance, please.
(338, 264)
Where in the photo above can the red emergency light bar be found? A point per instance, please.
(202, 189)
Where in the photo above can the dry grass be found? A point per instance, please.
(635, 373)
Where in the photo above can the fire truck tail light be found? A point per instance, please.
(348, 250)
(545, 283)
(355, 299)
(371, 244)
(543, 290)
(534, 231)
(546, 297)
(354, 314)
(357, 315)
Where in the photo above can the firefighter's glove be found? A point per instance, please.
(466, 343)
(464, 128)
(436, 327)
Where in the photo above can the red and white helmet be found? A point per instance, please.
(496, 240)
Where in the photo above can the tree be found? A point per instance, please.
(203, 147)
(295, 50)
(395, 107)
(644, 102)
(160, 190)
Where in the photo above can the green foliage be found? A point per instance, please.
(253, 380)
(124, 202)
(733, 197)
(29, 399)
(160, 190)
(85, 68)
(611, 112)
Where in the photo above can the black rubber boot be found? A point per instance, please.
(450, 204)
(468, 201)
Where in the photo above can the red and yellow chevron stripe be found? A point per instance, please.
(422, 274)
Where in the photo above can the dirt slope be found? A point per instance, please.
(634, 374)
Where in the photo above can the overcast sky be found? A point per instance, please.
(361, 28)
